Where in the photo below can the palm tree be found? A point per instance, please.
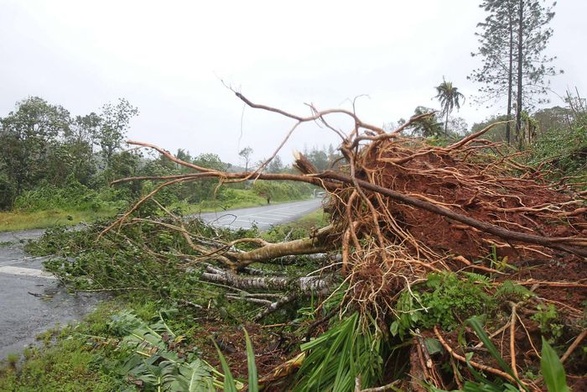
(449, 96)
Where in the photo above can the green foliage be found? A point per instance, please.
(155, 361)
(477, 326)
(552, 369)
(335, 358)
(73, 196)
(481, 382)
(113, 122)
(42, 144)
(251, 365)
(64, 361)
(120, 262)
(7, 192)
(27, 138)
(563, 151)
(444, 299)
(497, 133)
(229, 382)
(116, 350)
(426, 126)
(281, 190)
(548, 319)
(511, 291)
(298, 229)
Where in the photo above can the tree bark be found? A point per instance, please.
(508, 126)
(520, 68)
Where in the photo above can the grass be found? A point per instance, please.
(63, 360)
(18, 220)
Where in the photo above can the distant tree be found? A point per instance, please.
(126, 164)
(112, 126)
(497, 133)
(29, 138)
(427, 126)
(449, 98)
(512, 40)
(211, 161)
(458, 126)
(319, 158)
(184, 155)
(554, 118)
(246, 154)
(276, 165)
(197, 191)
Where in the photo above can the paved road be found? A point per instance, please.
(264, 217)
(31, 300)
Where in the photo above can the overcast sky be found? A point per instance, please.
(169, 59)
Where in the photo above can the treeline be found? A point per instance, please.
(42, 146)
(52, 159)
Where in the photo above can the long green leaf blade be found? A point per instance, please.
(552, 369)
(251, 365)
(229, 384)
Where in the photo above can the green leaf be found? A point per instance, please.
(229, 383)
(478, 328)
(475, 323)
(253, 378)
(552, 369)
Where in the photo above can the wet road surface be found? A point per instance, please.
(264, 217)
(32, 301)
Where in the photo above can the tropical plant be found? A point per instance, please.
(335, 359)
(427, 124)
(449, 98)
(154, 364)
(552, 369)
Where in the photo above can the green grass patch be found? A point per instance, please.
(66, 359)
(21, 220)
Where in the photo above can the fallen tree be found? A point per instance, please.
(402, 209)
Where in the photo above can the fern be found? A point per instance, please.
(513, 291)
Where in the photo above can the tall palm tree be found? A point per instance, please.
(449, 97)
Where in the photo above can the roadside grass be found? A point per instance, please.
(22, 220)
(65, 359)
(314, 220)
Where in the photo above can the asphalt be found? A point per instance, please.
(31, 300)
(264, 216)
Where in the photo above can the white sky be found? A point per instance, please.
(168, 58)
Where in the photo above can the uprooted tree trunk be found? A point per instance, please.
(400, 209)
